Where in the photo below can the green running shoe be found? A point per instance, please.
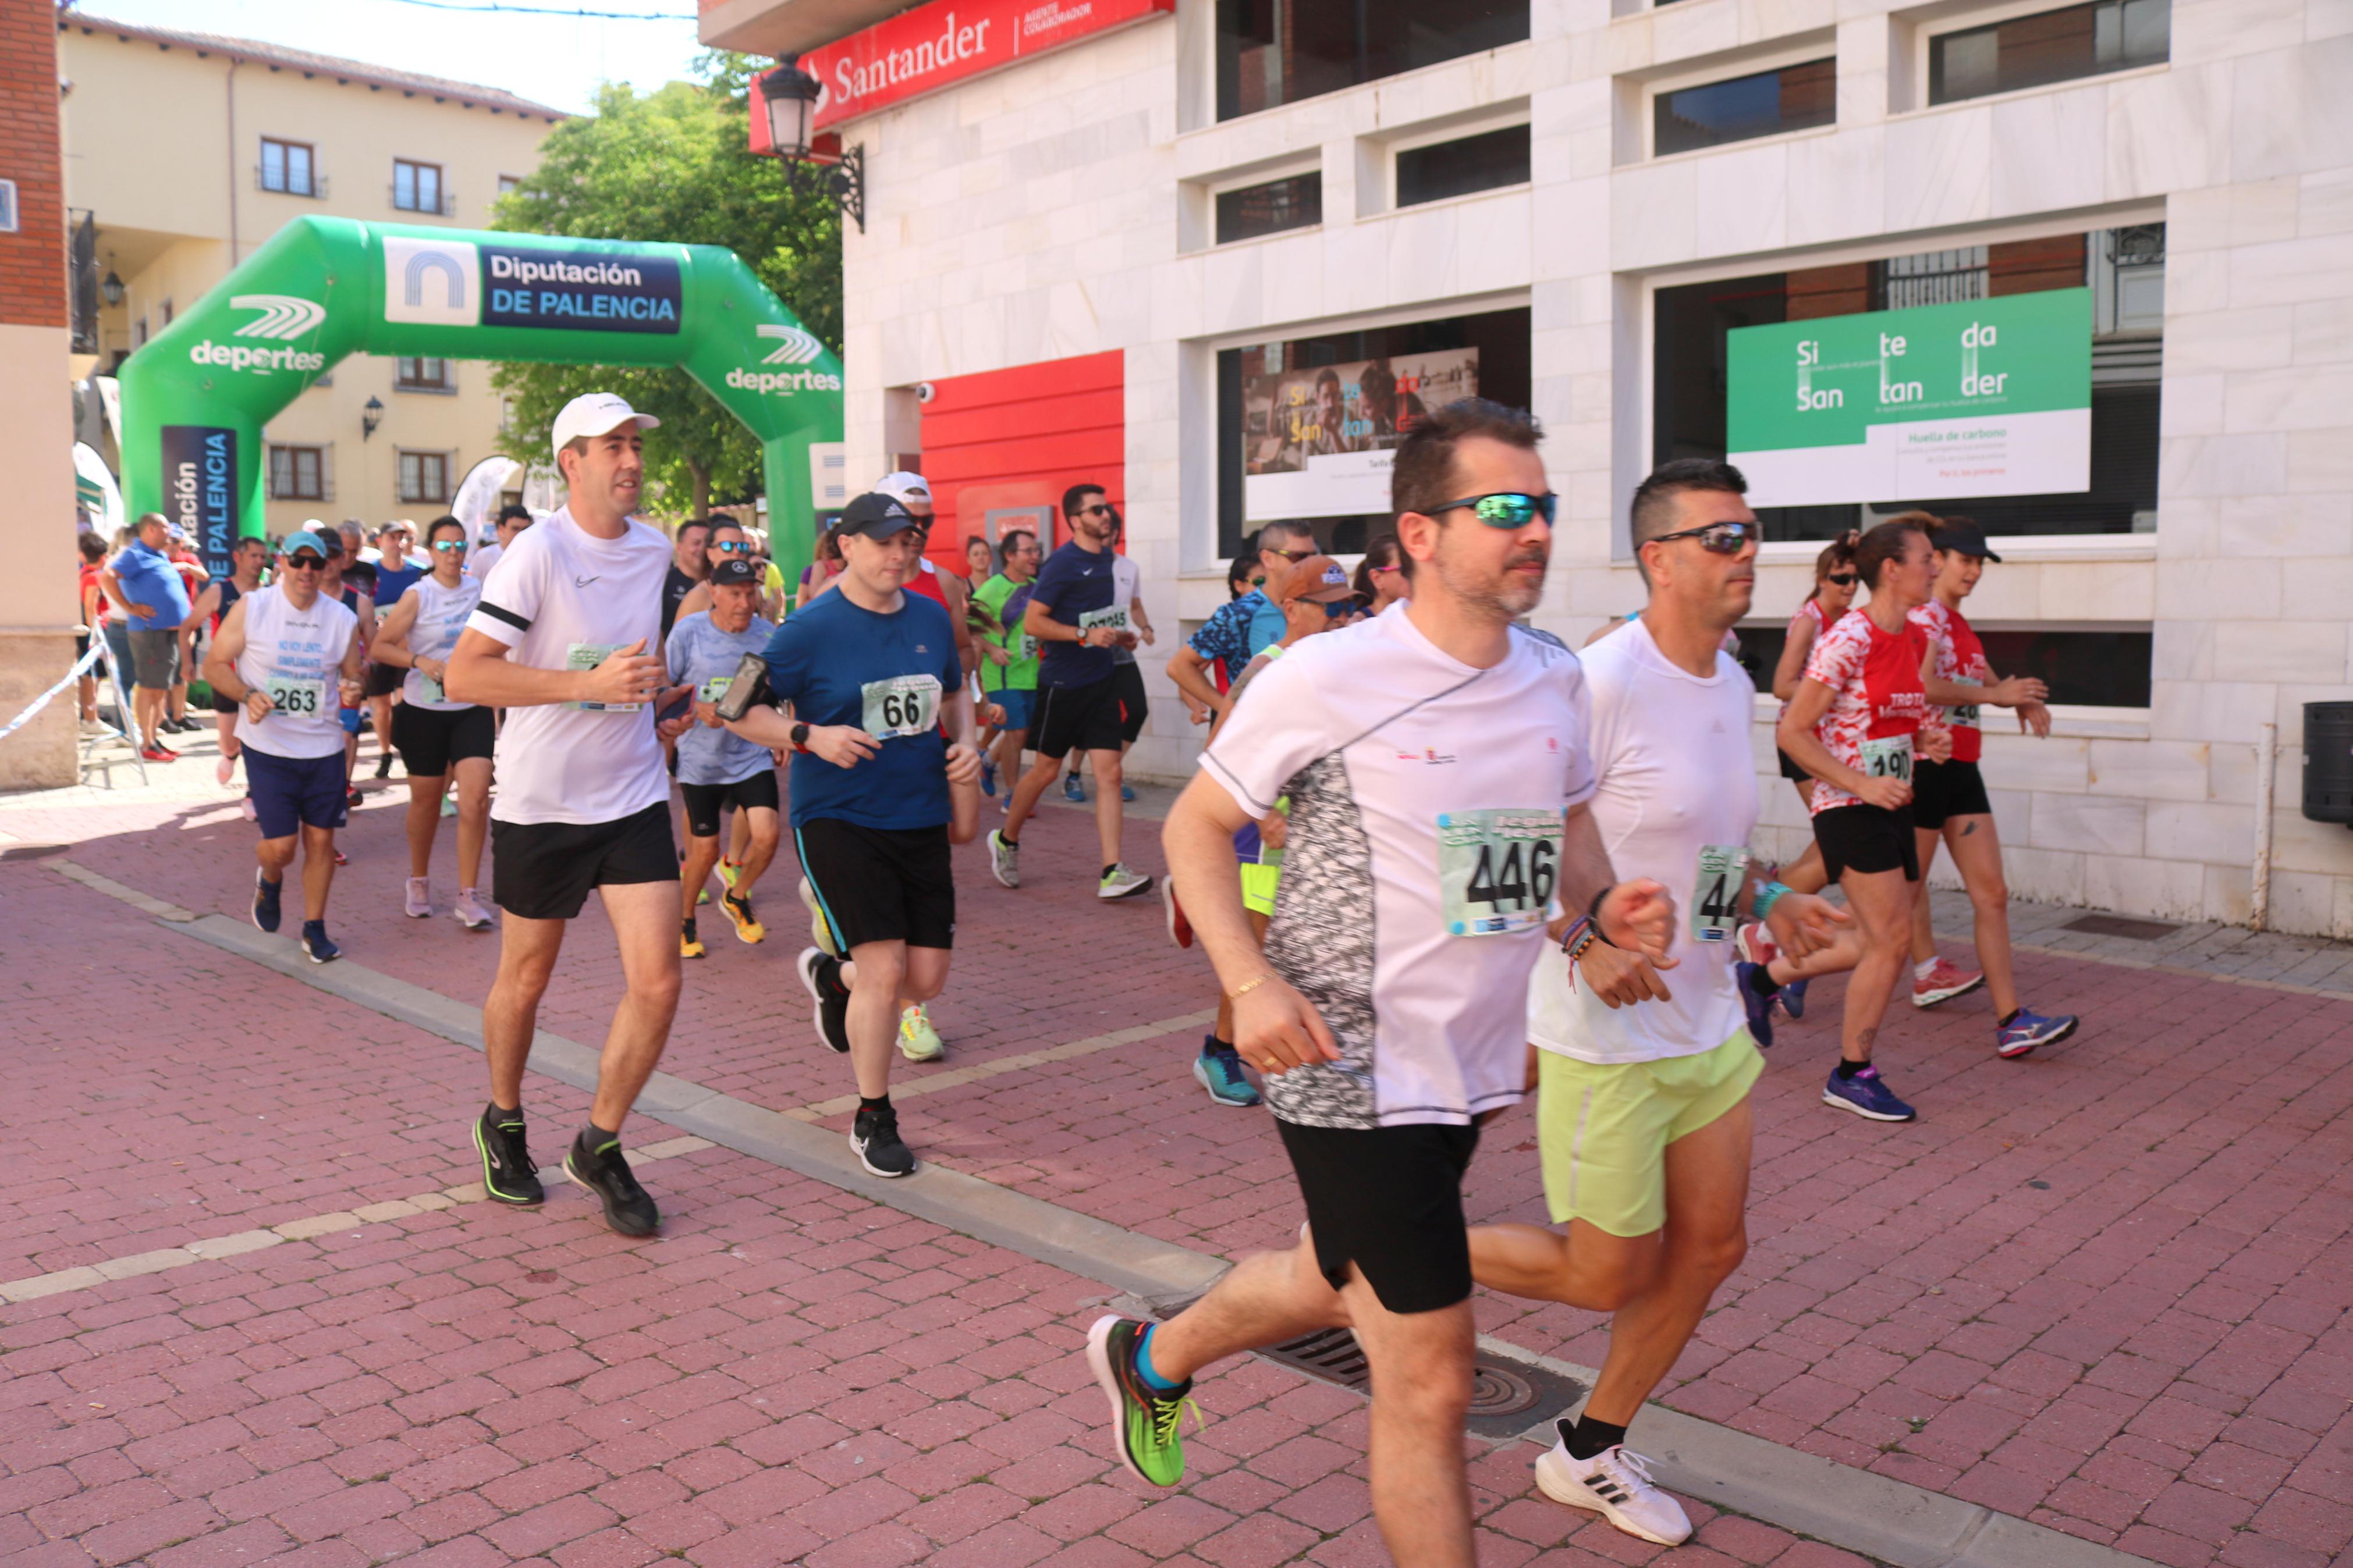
(1143, 1421)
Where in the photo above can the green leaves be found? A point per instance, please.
(671, 165)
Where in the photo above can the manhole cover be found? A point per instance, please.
(1505, 1400)
(31, 851)
(2117, 925)
(1494, 1391)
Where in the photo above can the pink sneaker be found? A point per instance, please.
(471, 910)
(1944, 983)
(420, 900)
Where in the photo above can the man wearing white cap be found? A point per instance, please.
(566, 638)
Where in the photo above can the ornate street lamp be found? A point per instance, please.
(111, 286)
(787, 96)
(371, 416)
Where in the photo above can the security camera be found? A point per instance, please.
(925, 391)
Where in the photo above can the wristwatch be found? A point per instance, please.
(800, 735)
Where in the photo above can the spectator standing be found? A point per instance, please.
(142, 580)
(92, 611)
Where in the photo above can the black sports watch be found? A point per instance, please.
(800, 737)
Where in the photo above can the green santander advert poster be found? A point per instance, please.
(1984, 397)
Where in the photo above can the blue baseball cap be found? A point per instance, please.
(318, 546)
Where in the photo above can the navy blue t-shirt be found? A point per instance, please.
(835, 663)
(1074, 581)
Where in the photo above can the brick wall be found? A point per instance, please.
(32, 260)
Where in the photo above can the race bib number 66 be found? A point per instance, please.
(902, 705)
(1496, 868)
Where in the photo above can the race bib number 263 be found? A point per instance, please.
(1496, 868)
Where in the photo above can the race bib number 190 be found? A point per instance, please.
(902, 705)
(1496, 868)
(1889, 757)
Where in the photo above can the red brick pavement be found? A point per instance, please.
(2148, 1349)
(790, 1373)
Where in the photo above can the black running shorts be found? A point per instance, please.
(384, 680)
(1789, 768)
(881, 884)
(1387, 1201)
(432, 740)
(1077, 718)
(543, 870)
(1867, 838)
(1942, 790)
(1127, 685)
(707, 805)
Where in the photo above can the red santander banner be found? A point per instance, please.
(948, 41)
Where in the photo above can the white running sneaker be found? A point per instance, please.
(420, 900)
(820, 929)
(1120, 883)
(472, 913)
(1004, 859)
(1616, 1484)
(224, 771)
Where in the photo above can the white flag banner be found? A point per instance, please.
(478, 494)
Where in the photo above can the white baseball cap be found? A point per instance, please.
(597, 414)
(903, 486)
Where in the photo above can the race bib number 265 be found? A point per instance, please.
(1496, 868)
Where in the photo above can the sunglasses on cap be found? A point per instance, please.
(1716, 538)
(305, 562)
(449, 544)
(1843, 579)
(1506, 509)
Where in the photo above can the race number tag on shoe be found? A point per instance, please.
(297, 698)
(1889, 757)
(1715, 896)
(902, 705)
(588, 656)
(1496, 868)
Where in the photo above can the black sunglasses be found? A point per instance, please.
(1294, 556)
(305, 562)
(1716, 538)
(1506, 509)
(1843, 579)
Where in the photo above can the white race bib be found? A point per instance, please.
(1115, 616)
(1496, 868)
(428, 689)
(1715, 895)
(297, 698)
(588, 656)
(901, 705)
(715, 688)
(1889, 757)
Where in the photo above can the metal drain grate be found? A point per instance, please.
(2117, 925)
(1505, 1400)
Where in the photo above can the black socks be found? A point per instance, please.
(1590, 1437)
(880, 1102)
(1851, 1069)
(1109, 868)
(497, 1115)
(1765, 982)
(594, 1138)
(1213, 1047)
(2003, 1022)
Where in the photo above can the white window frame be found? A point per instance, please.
(1720, 68)
(1201, 198)
(1378, 155)
(1910, 95)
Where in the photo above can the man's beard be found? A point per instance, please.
(1502, 598)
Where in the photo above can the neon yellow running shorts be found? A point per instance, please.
(1603, 1130)
(1259, 883)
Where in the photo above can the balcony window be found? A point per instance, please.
(1482, 162)
(298, 473)
(289, 167)
(1296, 201)
(1273, 52)
(1793, 97)
(417, 187)
(425, 478)
(2051, 45)
(424, 375)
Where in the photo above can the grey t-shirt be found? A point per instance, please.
(702, 655)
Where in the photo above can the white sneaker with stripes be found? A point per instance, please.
(1616, 1484)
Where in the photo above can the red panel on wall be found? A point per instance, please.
(1020, 438)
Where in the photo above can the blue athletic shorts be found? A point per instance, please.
(290, 793)
(1018, 705)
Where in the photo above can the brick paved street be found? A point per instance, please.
(2104, 1290)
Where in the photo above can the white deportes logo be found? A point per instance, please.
(282, 315)
(797, 347)
(783, 381)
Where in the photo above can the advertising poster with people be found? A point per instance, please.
(1317, 439)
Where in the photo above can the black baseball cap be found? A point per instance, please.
(732, 574)
(1963, 536)
(877, 516)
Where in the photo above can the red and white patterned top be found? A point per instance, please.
(1874, 680)
(1960, 657)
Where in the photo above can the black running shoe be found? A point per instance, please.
(822, 975)
(629, 1209)
(875, 1136)
(507, 1171)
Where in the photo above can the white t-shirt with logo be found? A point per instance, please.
(1426, 805)
(561, 599)
(1676, 772)
(296, 656)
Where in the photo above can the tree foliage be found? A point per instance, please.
(670, 165)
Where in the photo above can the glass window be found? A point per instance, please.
(297, 473)
(1295, 201)
(2051, 45)
(1690, 378)
(415, 187)
(1272, 52)
(1481, 162)
(1305, 425)
(287, 166)
(2083, 669)
(1766, 104)
(423, 376)
(424, 477)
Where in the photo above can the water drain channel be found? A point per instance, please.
(1506, 1400)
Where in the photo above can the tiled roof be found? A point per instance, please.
(283, 59)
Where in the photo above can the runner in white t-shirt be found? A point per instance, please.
(1436, 761)
(1644, 1078)
(566, 639)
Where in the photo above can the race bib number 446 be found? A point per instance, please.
(902, 705)
(1496, 868)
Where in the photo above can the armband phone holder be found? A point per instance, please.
(746, 689)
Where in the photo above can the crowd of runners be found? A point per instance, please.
(1437, 860)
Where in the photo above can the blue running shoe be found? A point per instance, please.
(1128, 793)
(266, 896)
(989, 777)
(1755, 1004)
(1792, 998)
(317, 945)
(1865, 1094)
(1220, 1072)
(1072, 790)
(2026, 1030)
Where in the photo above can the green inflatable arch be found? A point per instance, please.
(196, 398)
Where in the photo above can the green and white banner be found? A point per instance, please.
(1985, 397)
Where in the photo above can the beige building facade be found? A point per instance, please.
(186, 152)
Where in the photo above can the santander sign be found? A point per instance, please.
(950, 41)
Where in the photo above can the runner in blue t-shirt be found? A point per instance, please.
(879, 791)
